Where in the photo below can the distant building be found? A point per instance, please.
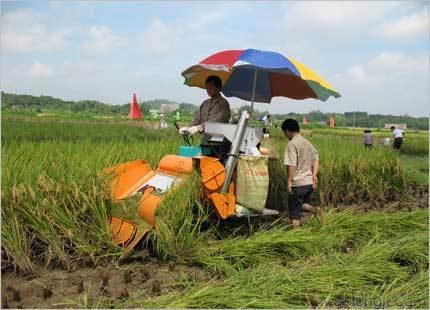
(398, 126)
(168, 107)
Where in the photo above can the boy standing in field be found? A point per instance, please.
(302, 161)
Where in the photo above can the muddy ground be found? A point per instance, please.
(89, 287)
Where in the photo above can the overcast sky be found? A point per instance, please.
(376, 54)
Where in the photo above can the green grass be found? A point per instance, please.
(53, 189)
(414, 143)
(276, 268)
(350, 173)
(280, 244)
(72, 117)
(178, 233)
(52, 184)
(416, 168)
(55, 206)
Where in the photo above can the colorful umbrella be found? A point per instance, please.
(258, 76)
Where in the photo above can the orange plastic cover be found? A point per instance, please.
(129, 177)
(224, 204)
(125, 233)
(212, 173)
(176, 164)
(147, 206)
(122, 231)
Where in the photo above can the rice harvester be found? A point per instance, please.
(218, 179)
(251, 75)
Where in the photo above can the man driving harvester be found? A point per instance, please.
(215, 109)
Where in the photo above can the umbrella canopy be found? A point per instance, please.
(259, 76)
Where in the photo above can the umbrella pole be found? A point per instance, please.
(253, 91)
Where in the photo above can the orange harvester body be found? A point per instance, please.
(137, 176)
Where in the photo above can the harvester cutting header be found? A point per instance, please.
(231, 164)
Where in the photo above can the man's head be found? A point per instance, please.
(392, 128)
(290, 127)
(213, 85)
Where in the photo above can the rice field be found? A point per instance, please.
(55, 207)
(312, 267)
(416, 142)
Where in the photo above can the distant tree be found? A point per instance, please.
(187, 108)
(245, 108)
(30, 103)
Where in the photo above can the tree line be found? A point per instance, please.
(351, 119)
(49, 104)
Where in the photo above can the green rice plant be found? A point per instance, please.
(178, 233)
(412, 251)
(416, 169)
(413, 294)
(54, 199)
(358, 132)
(415, 146)
(415, 143)
(15, 244)
(342, 231)
(58, 228)
(55, 207)
(277, 244)
(349, 173)
(54, 191)
(350, 228)
(319, 281)
(278, 186)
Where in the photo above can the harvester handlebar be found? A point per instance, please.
(185, 135)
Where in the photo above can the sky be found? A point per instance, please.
(375, 54)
